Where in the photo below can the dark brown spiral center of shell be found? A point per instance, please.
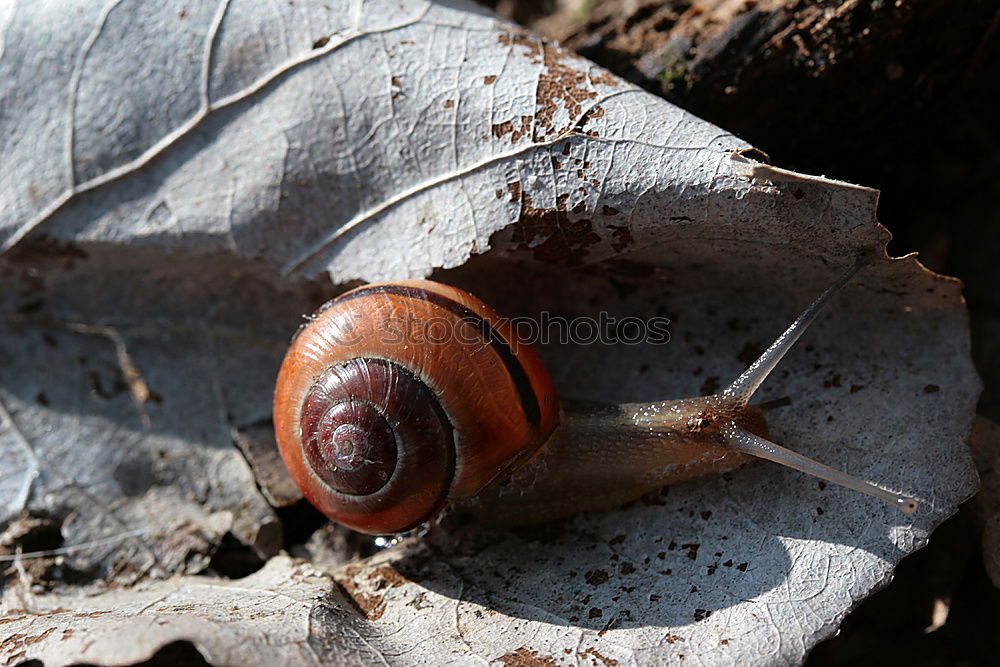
(376, 436)
(352, 447)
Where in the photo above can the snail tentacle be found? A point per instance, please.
(744, 441)
(738, 394)
(742, 389)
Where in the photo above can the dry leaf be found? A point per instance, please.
(263, 619)
(162, 215)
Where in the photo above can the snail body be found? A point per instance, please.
(603, 456)
(398, 398)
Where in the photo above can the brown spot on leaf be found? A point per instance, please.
(516, 132)
(521, 37)
(26, 640)
(564, 82)
(524, 657)
(490, 79)
(321, 42)
(563, 240)
(370, 606)
(608, 662)
(387, 577)
(500, 129)
(449, 104)
(515, 191)
(605, 79)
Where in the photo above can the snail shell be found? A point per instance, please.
(397, 397)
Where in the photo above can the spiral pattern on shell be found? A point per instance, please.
(398, 397)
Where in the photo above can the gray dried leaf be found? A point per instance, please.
(154, 467)
(263, 619)
(162, 215)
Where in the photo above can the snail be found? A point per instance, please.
(398, 398)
